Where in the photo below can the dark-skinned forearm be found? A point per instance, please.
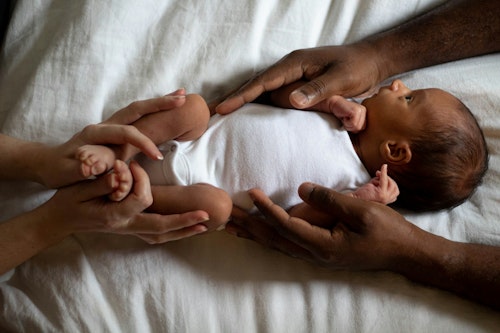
(468, 270)
(455, 30)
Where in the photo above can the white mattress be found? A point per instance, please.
(67, 64)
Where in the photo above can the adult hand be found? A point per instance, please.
(85, 207)
(362, 234)
(138, 109)
(349, 70)
(57, 166)
(367, 235)
(356, 69)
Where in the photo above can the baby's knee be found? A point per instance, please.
(218, 205)
(198, 114)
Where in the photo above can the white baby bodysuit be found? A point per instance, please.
(267, 147)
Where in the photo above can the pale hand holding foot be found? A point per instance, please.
(57, 166)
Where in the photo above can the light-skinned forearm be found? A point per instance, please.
(455, 30)
(20, 159)
(469, 270)
(28, 234)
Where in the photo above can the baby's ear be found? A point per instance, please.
(396, 152)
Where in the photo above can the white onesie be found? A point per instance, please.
(267, 147)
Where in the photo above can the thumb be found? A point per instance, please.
(101, 186)
(340, 207)
(311, 93)
(90, 189)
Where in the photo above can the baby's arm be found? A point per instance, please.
(351, 114)
(184, 123)
(381, 188)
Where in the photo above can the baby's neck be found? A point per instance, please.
(356, 143)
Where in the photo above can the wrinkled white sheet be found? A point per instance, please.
(67, 64)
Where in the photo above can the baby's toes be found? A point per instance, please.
(121, 192)
(122, 181)
(90, 167)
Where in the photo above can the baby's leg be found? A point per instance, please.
(95, 159)
(121, 181)
(174, 199)
(184, 123)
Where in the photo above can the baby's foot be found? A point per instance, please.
(95, 159)
(121, 181)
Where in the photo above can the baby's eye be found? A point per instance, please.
(409, 98)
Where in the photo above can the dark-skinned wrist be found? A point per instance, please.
(425, 258)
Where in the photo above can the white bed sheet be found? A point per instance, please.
(67, 64)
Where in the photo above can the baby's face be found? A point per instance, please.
(396, 110)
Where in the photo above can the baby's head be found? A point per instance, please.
(433, 145)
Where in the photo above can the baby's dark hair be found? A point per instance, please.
(448, 163)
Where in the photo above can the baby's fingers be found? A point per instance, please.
(382, 175)
(388, 184)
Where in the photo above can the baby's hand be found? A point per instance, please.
(381, 188)
(352, 114)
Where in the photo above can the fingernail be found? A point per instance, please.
(299, 97)
(306, 189)
(307, 186)
(251, 195)
(159, 157)
(202, 219)
(203, 228)
(176, 92)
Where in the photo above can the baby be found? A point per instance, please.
(426, 140)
